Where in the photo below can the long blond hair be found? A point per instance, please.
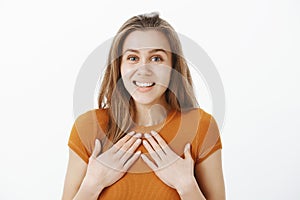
(115, 98)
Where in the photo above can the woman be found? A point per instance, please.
(148, 139)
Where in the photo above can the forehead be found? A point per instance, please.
(146, 39)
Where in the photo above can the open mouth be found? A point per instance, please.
(143, 84)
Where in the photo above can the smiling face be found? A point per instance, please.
(146, 66)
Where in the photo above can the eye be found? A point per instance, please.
(132, 58)
(156, 59)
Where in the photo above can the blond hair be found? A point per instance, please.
(113, 95)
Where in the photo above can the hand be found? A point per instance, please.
(110, 166)
(169, 167)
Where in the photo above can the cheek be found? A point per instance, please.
(122, 70)
(164, 74)
(125, 71)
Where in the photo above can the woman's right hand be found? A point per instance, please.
(105, 169)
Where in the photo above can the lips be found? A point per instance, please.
(143, 84)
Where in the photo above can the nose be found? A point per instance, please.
(144, 70)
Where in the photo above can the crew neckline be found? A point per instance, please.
(164, 122)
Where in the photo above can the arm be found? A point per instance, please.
(86, 181)
(209, 176)
(75, 175)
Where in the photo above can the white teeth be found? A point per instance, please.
(140, 84)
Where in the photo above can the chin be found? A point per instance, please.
(145, 101)
(148, 100)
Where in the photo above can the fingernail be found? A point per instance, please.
(188, 146)
(131, 133)
(138, 140)
(138, 135)
(153, 133)
(138, 152)
(146, 135)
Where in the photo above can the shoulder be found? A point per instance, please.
(197, 121)
(94, 116)
(204, 117)
(92, 123)
(203, 122)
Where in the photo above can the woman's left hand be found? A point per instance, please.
(173, 170)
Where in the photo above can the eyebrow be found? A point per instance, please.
(152, 51)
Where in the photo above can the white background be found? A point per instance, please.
(254, 44)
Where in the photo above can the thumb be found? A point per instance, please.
(187, 151)
(97, 148)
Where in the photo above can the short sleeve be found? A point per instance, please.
(76, 144)
(210, 138)
(86, 128)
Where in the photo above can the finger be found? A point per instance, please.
(121, 151)
(130, 151)
(149, 162)
(97, 148)
(152, 153)
(159, 139)
(123, 140)
(187, 151)
(156, 146)
(131, 160)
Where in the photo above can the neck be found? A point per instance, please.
(148, 115)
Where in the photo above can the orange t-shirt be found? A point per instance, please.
(195, 126)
